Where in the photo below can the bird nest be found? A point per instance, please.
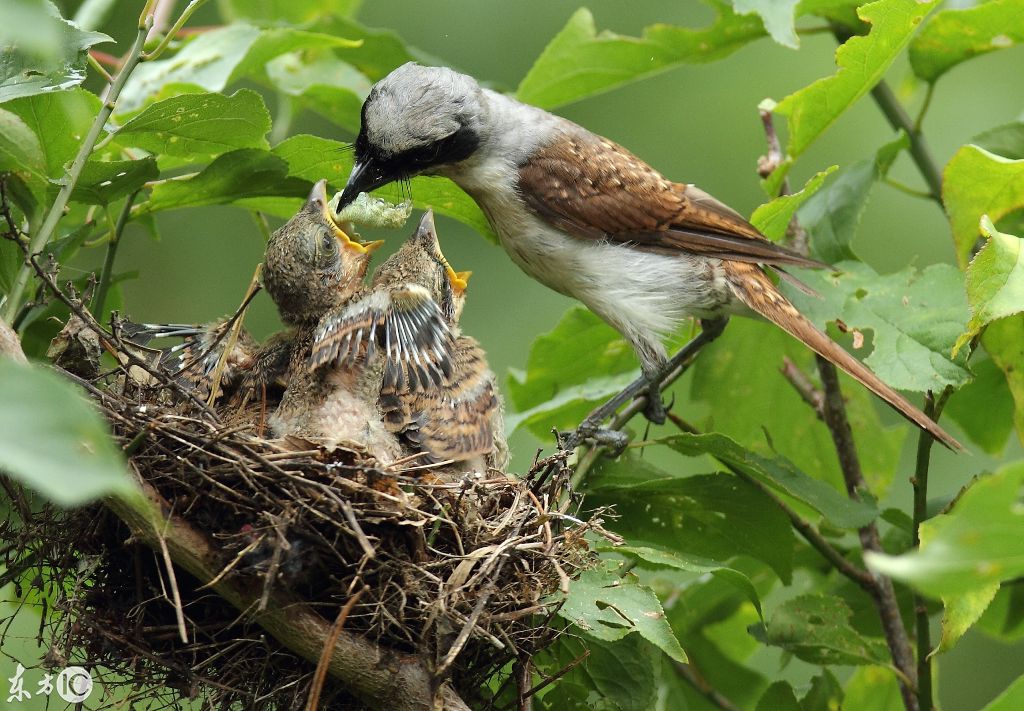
(292, 565)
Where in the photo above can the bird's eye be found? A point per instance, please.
(327, 242)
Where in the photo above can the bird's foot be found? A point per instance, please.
(654, 409)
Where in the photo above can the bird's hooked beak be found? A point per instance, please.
(319, 201)
(427, 232)
(366, 175)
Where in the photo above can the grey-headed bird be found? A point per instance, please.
(589, 219)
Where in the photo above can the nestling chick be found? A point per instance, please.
(194, 361)
(437, 392)
(312, 266)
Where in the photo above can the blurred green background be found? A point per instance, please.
(696, 123)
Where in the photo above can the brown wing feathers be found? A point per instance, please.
(593, 188)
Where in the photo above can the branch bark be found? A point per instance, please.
(378, 676)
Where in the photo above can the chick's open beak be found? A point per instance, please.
(318, 197)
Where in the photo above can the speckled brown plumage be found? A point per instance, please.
(594, 188)
(436, 391)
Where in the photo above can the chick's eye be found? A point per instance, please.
(327, 242)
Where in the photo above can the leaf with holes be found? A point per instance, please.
(956, 35)
(608, 607)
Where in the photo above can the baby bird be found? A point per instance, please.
(312, 266)
(436, 390)
(193, 362)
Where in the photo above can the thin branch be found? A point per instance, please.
(919, 150)
(171, 33)
(694, 679)
(804, 387)
(313, 700)
(43, 236)
(99, 300)
(883, 594)
(804, 527)
(906, 189)
(933, 408)
(833, 412)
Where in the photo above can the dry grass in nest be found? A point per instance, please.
(456, 574)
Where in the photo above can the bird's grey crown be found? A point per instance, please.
(415, 106)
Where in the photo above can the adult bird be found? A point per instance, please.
(589, 219)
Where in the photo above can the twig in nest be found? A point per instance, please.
(232, 334)
(230, 566)
(332, 639)
(364, 541)
(281, 528)
(179, 611)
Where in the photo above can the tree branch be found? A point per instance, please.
(919, 150)
(45, 232)
(378, 676)
(804, 527)
(883, 593)
(933, 408)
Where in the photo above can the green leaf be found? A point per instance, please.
(816, 628)
(291, 12)
(780, 474)
(691, 564)
(1012, 699)
(773, 217)
(614, 676)
(580, 362)
(205, 124)
(779, 697)
(323, 83)
(60, 120)
(1006, 140)
(713, 516)
(960, 612)
(39, 50)
(312, 158)
(579, 62)
(995, 281)
(984, 407)
(248, 172)
(825, 693)
(102, 182)
(915, 317)
(1004, 341)
(749, 400)
(379, 51)
(831, 216)
(20, 151)
(52, 440)
(777, 16)
(1004, 618)
(862, 62)
(873, 688)
(954, 36)
(215, 59)
(978, 543)
(975, 183)
(608, 608)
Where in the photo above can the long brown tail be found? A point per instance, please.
(753, 287)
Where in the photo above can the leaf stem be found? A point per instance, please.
(919, 150)
(913, 192)
(928, 94)
(42, 237)
(99, 300)
(933, 408)
(171, 33)
(99, 68)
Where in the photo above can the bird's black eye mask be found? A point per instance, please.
(451, 149)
